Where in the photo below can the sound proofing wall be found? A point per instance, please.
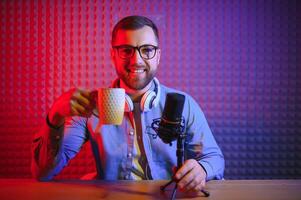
(239, 59)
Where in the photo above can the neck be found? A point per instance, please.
(135, 94)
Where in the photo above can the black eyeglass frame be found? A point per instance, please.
(138, 48)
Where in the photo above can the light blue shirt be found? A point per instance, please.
(113, 146)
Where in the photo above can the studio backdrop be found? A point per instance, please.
(239, 59)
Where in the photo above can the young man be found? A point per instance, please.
(131, 150)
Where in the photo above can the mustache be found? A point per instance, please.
(137, 66)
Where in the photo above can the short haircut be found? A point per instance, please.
(134, 22)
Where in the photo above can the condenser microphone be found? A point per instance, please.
(170, 125)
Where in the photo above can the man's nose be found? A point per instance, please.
(136, 58)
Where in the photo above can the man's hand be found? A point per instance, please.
(75, 102)
(191, 176)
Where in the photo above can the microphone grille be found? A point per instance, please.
(173, 108)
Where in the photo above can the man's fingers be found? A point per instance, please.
(83, 98)
(189, 181)
(183, 174)
(191, 176)
(79, 97)
(73, 110)
(188, 165)
(188, 184)
(196, 185)
(84, 93)
(77, 109)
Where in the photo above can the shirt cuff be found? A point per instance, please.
(54, 133)
(208, 169)
(51, 125)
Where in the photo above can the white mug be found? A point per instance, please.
(110, 105)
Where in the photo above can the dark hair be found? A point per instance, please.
(134, 22)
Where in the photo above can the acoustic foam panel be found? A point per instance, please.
(239, 59)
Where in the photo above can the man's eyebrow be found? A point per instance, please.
(128, 45)
(151, 44)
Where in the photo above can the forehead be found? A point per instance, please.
(144, 35)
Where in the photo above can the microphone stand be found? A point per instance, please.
(180, 153)
(180, 160)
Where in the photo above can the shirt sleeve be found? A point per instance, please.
(53, 148)
(201, 144)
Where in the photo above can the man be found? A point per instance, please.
(131, 150)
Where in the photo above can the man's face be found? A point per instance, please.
(136, 72)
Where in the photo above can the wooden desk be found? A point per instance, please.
(12, 189)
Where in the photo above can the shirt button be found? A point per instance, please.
(131, 132)
(57, 137)
(127, 177)
(129, 155)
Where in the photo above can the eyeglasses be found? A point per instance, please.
(146, 51)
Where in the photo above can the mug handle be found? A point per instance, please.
(94, 96)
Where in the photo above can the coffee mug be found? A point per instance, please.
(110, 105)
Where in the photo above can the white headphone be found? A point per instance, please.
(149, 100)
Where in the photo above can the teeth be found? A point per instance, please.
(137, 71)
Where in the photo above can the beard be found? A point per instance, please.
(136, 82)
(131, 74)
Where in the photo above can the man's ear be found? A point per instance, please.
(158, 56)
(113, 55)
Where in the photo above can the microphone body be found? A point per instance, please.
(170, 125)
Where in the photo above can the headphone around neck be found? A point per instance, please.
(149, 100)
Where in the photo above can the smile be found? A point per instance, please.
(138, 71)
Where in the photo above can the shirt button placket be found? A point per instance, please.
(129, 154)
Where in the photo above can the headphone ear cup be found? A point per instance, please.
(147, 100)
(156, 99)
(129, 106)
